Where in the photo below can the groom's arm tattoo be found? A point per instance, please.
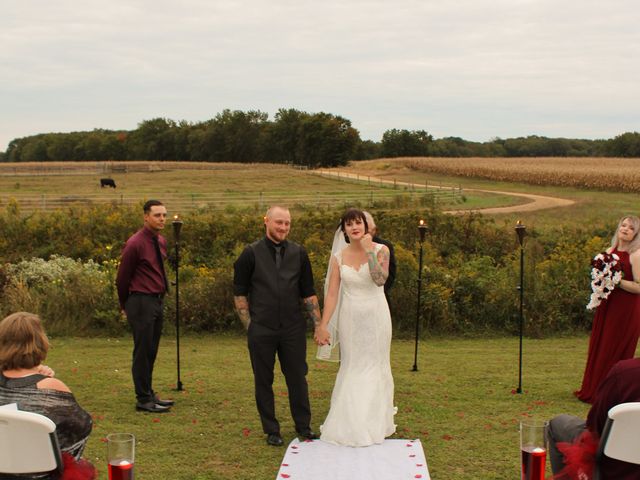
(378, 275)
(312, 307)
(242, 310)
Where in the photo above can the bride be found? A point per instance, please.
(362, 410)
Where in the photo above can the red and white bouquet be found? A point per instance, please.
(605, 275)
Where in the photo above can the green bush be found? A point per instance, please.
(470, 269)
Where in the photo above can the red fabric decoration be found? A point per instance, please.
(579, 457)
(77, 469)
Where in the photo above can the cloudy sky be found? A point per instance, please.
(476, 69)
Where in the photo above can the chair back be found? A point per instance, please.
(621, 435)
(28, 443)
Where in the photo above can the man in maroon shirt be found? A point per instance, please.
(621, 385)
(142, 284)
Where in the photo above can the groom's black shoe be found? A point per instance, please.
(308, 435)
(275, 440)
(151, 407)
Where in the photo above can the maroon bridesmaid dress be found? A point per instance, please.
(614, 335)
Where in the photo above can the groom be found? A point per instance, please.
(270, 277)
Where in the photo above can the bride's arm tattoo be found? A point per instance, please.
(312, 307)
(378, 274)
(241, 304)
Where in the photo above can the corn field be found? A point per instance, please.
(619, 174)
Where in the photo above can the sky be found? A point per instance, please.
(475, 69)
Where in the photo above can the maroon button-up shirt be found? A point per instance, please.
(140, 270)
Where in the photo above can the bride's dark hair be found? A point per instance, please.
(349, 216)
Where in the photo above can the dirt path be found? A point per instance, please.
(536, 202)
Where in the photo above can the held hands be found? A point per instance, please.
(322, 336)
(367, 242)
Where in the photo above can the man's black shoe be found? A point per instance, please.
(275, 440)
(308, 435)
(151, 407)
(164, 403)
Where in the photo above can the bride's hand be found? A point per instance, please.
(322, 336)
(367, 242)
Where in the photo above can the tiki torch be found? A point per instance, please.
(521, 231)
(177, 226)
(422, 230)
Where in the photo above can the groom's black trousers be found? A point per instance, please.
(290, 344)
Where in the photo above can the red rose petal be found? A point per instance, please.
(411, 456)
(285, 475)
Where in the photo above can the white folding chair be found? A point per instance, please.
(621, 435)
(28, 444)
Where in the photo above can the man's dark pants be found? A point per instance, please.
(290, 344)
(144, 313)
(563, 428)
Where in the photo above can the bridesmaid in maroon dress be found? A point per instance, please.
(616, 325)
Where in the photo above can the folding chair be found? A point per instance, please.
(28, 444)
(621, 435)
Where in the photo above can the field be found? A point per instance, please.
(188, 186)
(620, 174)
(460, 403)
(592, 206)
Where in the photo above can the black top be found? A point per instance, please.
(73, 424)
(245, 265)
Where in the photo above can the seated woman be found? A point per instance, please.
(24, 380)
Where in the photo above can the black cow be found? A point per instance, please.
(107, 182)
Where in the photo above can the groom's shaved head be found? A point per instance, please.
(272, 209)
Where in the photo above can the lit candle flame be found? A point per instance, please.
(519, 222)
(421, 223)
(175, 217)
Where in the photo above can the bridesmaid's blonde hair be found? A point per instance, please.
(635, 243)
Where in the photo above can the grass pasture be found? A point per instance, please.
(188, 186)
(460, 403)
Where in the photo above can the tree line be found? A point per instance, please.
(292, 137)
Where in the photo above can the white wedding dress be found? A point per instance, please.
(362, 410)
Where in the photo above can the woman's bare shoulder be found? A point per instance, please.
(53, 384)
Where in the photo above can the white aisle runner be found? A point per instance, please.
(391, 460)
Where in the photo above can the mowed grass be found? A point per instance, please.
(460, 403)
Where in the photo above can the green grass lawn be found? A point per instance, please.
(461, 402)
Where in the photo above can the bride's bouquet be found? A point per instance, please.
(605, 275)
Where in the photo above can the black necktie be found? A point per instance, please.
(278, 256)
(156, 245)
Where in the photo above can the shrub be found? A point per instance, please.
(470, 269)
